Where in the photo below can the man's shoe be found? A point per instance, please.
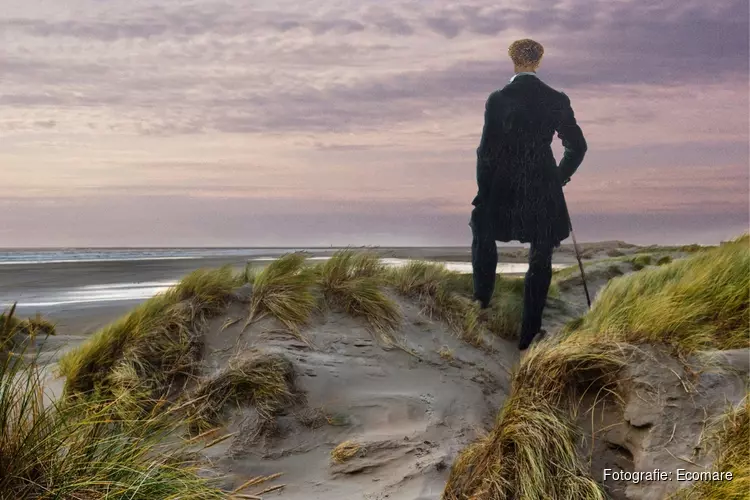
(525, 343)
(482, 304)
(540, 336)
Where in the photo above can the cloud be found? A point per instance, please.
(345, 79)
(341, 96)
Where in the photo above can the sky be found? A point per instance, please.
(353, 122)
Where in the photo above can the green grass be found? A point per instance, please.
(354, 282)
(696, 303)
(447, 295)
(641, 261)
(442, 294)
(666, 259)
(159, 341)
(284, 290)
(11, 328)
(568, 277)
(73, 450)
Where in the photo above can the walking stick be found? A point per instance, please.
(580, 264)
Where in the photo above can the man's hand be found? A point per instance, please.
(573, 142)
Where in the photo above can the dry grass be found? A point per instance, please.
(346, 451)
(700, 302)
(732, 441)
(445, 353)
(354, 283)
(531, 452)
(262, 380)
(284, 290)
(159, 341)
(74, 451)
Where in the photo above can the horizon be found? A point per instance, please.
(337, 247)
(301, 125)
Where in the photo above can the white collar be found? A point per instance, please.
(522, 73)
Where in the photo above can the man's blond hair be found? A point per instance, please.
(526, 52)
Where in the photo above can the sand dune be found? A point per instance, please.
(342, 409)
(410, 412)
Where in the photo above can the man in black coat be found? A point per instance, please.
(520, 185)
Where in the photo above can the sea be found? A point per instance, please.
(40, 296)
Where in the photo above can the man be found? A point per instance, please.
(520, 185)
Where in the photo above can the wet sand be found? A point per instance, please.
(27, 283)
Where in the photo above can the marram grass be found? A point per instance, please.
(700, 302)
(262, 380)
(354, 282)
(732, 446)
(11, 328)
(447, 295)
(284, 289)
(160, 339)
(696, 303)
(531, 452)
(72, 450)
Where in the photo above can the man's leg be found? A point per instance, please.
(483, 258)
(536, 286)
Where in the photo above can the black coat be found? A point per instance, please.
(520, 185)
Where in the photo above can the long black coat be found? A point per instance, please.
(520, 185)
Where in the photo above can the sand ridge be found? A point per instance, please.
(410, 409)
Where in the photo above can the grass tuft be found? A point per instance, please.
(262, 380)
(446, 353)
(346, 451)
(283, 289)
(531, 452)
(447, 296)
(641, 261)
(160, 339)
(700, 302)
(666, 259)
(731, 438)
(73, 450)
(11, 328)
(353, 282)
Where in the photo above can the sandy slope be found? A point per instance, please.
(412, 413)
(664, 419)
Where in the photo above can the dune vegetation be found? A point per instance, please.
(157, 346)
(75, 450)
(697, 303)
(14, 331)
(138, 402)
(730, 440)
(148, 362)
(263, 380)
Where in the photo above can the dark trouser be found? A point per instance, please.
(536, 283)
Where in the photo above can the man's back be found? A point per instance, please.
(519, 179)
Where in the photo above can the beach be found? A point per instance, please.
(83, 290)
(374, 385)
